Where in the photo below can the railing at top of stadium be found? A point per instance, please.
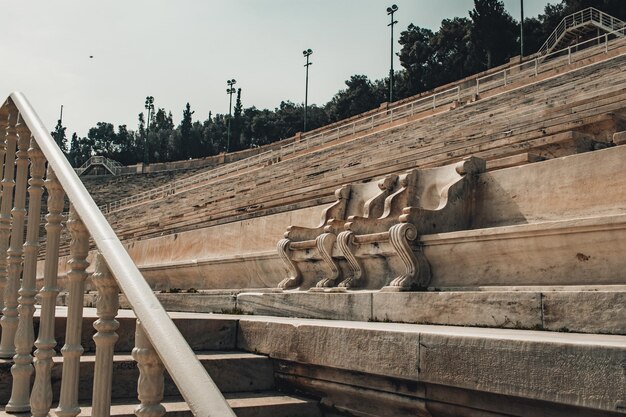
(538, 64)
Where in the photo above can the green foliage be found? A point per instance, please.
(59, 136)
(493, 32)
(360, 96)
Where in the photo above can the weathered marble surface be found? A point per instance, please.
(337, 306)
(517, 310)
(354, 347)
(568, 309)
(585, 311)
(564, 368)
(581, 372)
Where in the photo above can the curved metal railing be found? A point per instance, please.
(24, 143)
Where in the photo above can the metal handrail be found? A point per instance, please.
(194, 383)
(532, 67)
(113, 166)
(579, 18)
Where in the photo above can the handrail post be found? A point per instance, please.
(536, 67)
(41, 397)
(151, 382)
(22, 368)
(72, 350)
(107, 305)
(569, 54)
(9, 319)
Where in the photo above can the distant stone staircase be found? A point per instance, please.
(246, 379)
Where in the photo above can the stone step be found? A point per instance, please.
(245, 404)
(201, 335)
(550, 308)
(231, 371)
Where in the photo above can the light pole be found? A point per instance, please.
(307, 53)
(521, 32)
(230, 91)
(390, 11)
(150, 108)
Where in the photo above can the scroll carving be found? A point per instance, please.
(345, 242)
(295, 276)
(417, 270)
(325, 243)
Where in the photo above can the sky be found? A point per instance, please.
(100, 59)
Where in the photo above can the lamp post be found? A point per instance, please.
(390, 11)
(521, 32)
(150, 108)
(230, 91)
(307, 53)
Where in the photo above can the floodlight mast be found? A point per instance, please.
(521, 31)
(390, 11)
(149, 106)
(230, 91)
(307, 53)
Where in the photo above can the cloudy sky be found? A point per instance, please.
(184, 51)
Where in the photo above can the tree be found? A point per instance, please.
(416, 55)
(454, 54)
(494, 32)
(360, 96)
(59, 136)
(534, 35)
(73, 154)
(186, 148)
(127, 146)
(103, 140)
(616, 8)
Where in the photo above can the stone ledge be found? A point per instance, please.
(598, 309)
(573, 369)
(337, 306)
(517, 310)
(552, 370)
(585, 311)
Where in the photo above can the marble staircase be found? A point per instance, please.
(291, 367)
(246, 379)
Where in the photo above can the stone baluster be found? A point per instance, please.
(107, 305)
(9, 319)
(8, 183)
(41, 397)
(151, 383)
(4, 124)
(72, 350)
(22, 368)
